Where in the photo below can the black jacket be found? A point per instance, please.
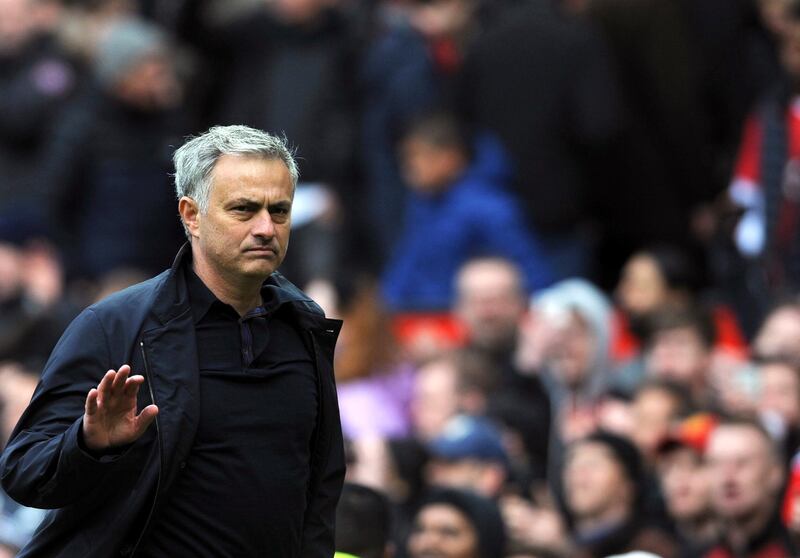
(102, 508)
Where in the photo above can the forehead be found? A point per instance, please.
(735, 441)
(488, 276)
(239, 174)
(443, 516)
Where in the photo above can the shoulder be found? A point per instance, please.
(289, 292)
(139, 296)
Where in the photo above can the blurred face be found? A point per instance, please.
(573, 351)
(780, 392)
(490, 303)
(298, 12)
(642, 287)
(435, 398)
(654, 411)
(430, 168)
(679, 355)
(772, 13)
(745, 476)
(442, 18)
(243, 236)
(790, 49)
(780, 334)
(150, 85)
(442, 531)
(16, 24)
(685, 483)
(594, 481)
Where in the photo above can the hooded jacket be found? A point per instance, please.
(102, 507)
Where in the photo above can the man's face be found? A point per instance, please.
(780, 392)
(679, 355)
(654, 411)
(434, 399)
(745, 476)
(593, 480)
(490, 303)
(685, 483)
(442, 531)
(780, 334)
(245, 232)
(641, 288)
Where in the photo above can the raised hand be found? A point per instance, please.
(110, 417)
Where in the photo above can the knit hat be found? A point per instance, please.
(469, 437)
(126, 43)
(482, 513)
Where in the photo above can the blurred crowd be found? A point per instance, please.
(564, 236)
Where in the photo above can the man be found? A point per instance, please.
(457, 524)
(234, 446)
(603, 491)
(746, 475)
(686, 484)
(469, 454)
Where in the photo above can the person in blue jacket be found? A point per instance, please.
(194, 414)
(458, 208)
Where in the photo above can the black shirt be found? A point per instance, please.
(242, 491)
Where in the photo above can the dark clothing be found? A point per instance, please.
(151, 326)
(107, 167)
(34, 85)
(557, 69)
(773, 542)
(629, 537)
(258, 366)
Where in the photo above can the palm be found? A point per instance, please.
(110, 417)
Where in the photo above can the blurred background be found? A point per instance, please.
(564, 236)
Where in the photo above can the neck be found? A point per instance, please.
(242, 293)
(741, 530)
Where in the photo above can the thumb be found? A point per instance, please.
(145, 419)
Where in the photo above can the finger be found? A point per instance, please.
(145, 419)
(104, 387)
(132, 386)
(119, 380)
(91, 402)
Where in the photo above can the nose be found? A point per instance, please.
(263, 226)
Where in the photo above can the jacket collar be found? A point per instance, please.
(172, 298)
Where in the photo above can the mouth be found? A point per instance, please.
(262, 250)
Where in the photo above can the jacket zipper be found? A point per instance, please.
(160, 451)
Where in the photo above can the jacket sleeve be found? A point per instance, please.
(43, 464)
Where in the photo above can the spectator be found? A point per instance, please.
(603, 493)
(435, 397)
(657, 407)
(766, 176)
(679, 349)
(686, 485)
(779, 333)
(558, 70)
(469, 454)
(457, 524)
(36, 79)
(491, 303)
(35, 308)
(746, 471)
(454, 177)
(363, 523)
(568, 342)
(778, 401)
(110, 151)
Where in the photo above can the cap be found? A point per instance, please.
(469, 437)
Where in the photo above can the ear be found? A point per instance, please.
(190, 215)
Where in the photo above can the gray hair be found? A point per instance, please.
(195, 159)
